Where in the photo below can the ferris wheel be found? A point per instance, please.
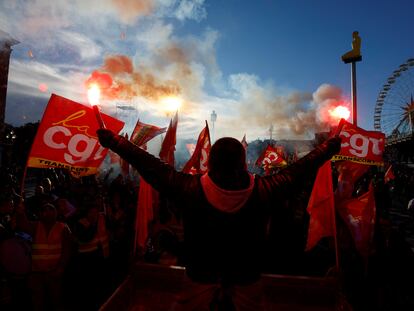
(394, 109)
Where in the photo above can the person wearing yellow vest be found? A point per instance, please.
(93, 250)
(94, 227)
(51, 250)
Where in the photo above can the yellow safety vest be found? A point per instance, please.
(101, 238)
(47, 249)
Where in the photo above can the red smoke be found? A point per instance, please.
(118, 79)
(118, 64)
(104, 82)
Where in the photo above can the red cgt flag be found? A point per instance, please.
(198, 161)
(349, 173)
(66, 138)
(360, 146)
(357, 212)
(321, 207)
(168, 145)
(359, 215)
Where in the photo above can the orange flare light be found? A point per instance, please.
(171, 103)
(94, 94)
(340, 112)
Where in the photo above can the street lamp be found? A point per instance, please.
(271, 133)
(213, 120)
(10, 138)
(353, 57)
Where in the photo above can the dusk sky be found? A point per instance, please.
(256, 63)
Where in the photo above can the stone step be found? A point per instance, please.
(154, 288)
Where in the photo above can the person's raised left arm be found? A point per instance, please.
(157, 173)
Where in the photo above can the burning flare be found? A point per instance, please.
(340, 112)
(171, 103)
(94, 94)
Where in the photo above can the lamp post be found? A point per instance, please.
(213, 120)
(271, 133)
(353, 57)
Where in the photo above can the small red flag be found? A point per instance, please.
(389, 175)
(168, 145)
(270, 159)
(244, 142)
(143, 133)
(198, 161)
(321, 207)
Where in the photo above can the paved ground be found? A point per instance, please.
(401, 219)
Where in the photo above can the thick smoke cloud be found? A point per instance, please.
(129, 10)
(73, 42)
(293, 114)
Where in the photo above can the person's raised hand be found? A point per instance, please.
(334, 144)
(106, 138)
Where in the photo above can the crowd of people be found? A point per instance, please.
(68, 244)
(92, 220)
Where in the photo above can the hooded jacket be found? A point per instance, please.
(224, 231)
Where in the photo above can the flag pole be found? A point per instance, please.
(23, 179)
(26, 166)
(98, 116)
(336, 134)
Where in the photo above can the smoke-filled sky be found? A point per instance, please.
(255, 63)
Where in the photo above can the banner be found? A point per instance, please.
(198, 161)
(360, 146)
(67, 138)
(143, 133)
(359, 215)
(357, 211)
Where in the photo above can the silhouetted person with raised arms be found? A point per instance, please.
(225, 212)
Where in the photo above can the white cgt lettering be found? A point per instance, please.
(359, 145)
(345, 134)
(73, 154)
(375, 145)
(50, 132)
(73, 148)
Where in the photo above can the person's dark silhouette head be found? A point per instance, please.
(227, 164)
